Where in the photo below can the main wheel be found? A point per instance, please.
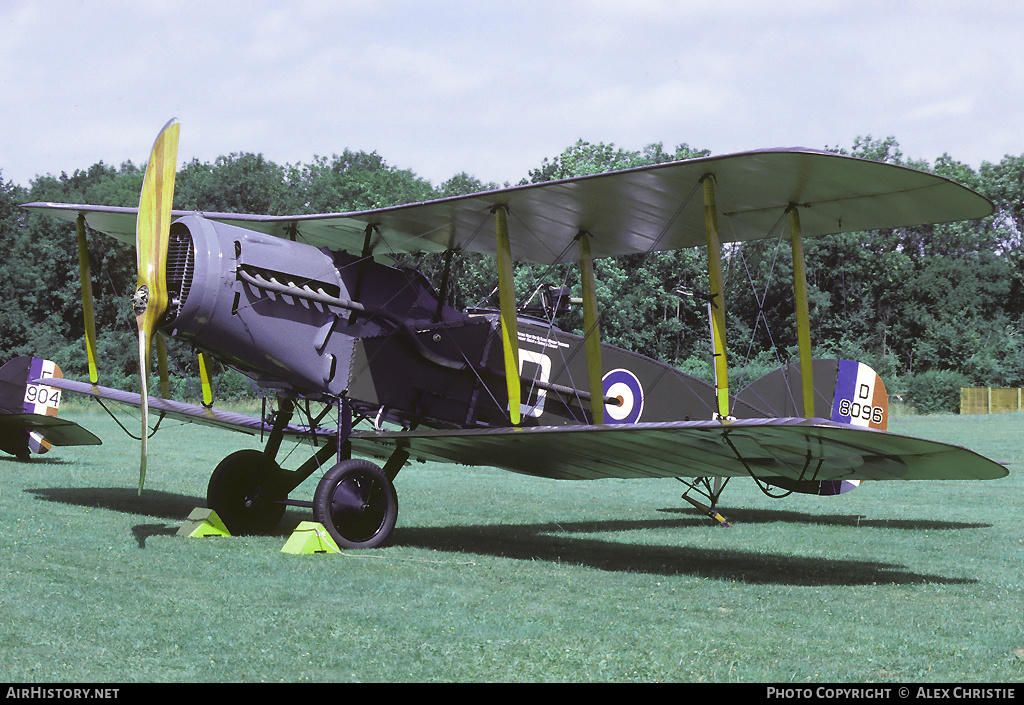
(357, 504)
(244, 506)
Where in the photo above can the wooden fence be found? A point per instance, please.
(990, 400)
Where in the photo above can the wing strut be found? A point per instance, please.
(161, 364)
(717, 295)
(507, 304)
(591, 330)
(204, 380)
(803, 326)
(87, 308)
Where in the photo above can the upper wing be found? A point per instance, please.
(650, 208)
(798, 449)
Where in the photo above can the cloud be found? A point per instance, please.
(446, 87)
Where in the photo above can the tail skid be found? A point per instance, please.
(711, 489)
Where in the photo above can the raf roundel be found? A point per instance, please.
(625, 386)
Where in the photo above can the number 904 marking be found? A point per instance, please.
(38, 394)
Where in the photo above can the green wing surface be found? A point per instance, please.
(192, 413)
(798, 449)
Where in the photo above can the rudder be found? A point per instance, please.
(20, 395)
(845, 391)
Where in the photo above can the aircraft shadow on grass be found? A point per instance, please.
(154, 503)
(549, 542)
(36, 460)
(768, 516)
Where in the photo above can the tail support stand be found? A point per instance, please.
(711, 494)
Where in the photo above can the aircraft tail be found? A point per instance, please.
(844, 391)
(28, 409)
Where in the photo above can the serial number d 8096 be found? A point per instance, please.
(856, 410)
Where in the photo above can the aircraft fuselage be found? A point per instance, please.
(324, 324)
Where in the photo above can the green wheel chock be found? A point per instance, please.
(310, 537)
(203, 522)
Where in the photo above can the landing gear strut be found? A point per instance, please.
(355, 501)
(247, 487)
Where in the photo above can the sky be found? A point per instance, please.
(492, 89)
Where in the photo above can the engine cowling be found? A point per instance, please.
(284, 342)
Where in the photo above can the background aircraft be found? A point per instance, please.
(376, 365)
(28, 410)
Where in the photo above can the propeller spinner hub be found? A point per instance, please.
(140, 299)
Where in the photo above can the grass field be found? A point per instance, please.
(497, 577)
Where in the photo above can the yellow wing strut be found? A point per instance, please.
(87, 309)
(803, 325)
(204, 379)
(717, 296)
(161, 364)
(591, 330)
(507, 304)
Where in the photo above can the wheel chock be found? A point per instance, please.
(310, 537)
(203, 522)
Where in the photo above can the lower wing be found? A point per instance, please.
(795, 449)
(789, 448)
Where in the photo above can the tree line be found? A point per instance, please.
(931, 308)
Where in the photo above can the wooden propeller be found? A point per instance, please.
(151, 237)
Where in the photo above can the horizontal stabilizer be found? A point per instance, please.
(28, 409)
(59, 432)
(827, 488)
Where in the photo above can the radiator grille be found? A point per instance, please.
(181, 260)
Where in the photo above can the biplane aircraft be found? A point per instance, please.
(28, 410)
(368, 361)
